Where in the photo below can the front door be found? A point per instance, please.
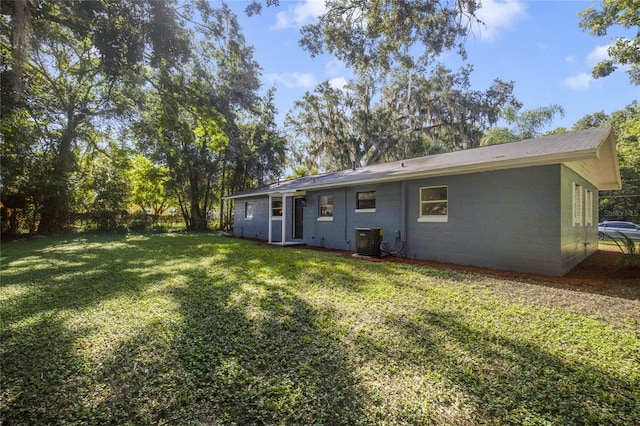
(298, 207)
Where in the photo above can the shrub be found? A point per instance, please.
(630, 250)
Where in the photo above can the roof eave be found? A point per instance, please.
(300, 191)
(466, 169)
(602, 153)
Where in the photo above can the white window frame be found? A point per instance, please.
(366, 210)
(248, 216)
(328, 218)
(433, 218)
(578, 205)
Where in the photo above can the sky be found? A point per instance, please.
(537, 44)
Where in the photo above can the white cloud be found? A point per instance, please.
(338, 82)
(498, 15)
(334, 68)
(292, 80)
(299, 15)
(598, 54)
(580, 81)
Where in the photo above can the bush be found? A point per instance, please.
(630, 250)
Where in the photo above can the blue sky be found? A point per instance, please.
(537, 44)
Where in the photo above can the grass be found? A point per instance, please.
(202, 329)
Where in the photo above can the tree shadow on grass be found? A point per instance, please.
(52, 291)
(260, 354)
(511, 381)
(75, 274)
(236, 349)
(247, 351)
(226, 335)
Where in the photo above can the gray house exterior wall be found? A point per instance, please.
(340, 232)
(516, 219)
(256, 227)
(505, 219)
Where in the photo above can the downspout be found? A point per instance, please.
(346, 217)
(270, 218)
(403, 212)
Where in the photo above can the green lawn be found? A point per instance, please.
(203, 329)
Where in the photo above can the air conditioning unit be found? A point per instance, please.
(368, 241)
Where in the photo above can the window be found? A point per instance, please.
(589, 207)
(434, 204)
(325, 207)
(366, 201)
(276, 207)
(578, 205)
(248, 210)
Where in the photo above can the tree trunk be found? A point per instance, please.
(197, 220)
(222, 212)
(55, 208)
(183, 210)
(205, 207)
(54, 211)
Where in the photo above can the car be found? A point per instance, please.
(613, 228)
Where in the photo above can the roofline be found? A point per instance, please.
(604, 150)
(467, 169)
(445, 171)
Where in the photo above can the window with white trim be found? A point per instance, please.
(325, 207)
(578, 205)
(248, 210)
(366, 201)
(276, 207)
(434, 204)
(589, 207)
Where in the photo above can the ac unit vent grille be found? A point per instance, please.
(368, 241)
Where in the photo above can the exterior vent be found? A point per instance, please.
(368, 241)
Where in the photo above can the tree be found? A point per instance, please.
(190, 121)
(402, 115)
(66, 95)
(148, 184)
(102, 188)
(623, 51)
(21, 166)
(523, 125)
(125, 33)
(446, 110)
(598, 119)
(260, 156)
(184, 74)
(256, 153)
(379, 34)
(334, 125)
(182, 131)
(64, 67)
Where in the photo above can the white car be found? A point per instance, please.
(613, 228)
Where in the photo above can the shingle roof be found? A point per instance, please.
(590, 152)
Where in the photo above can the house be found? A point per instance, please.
(528, 206)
